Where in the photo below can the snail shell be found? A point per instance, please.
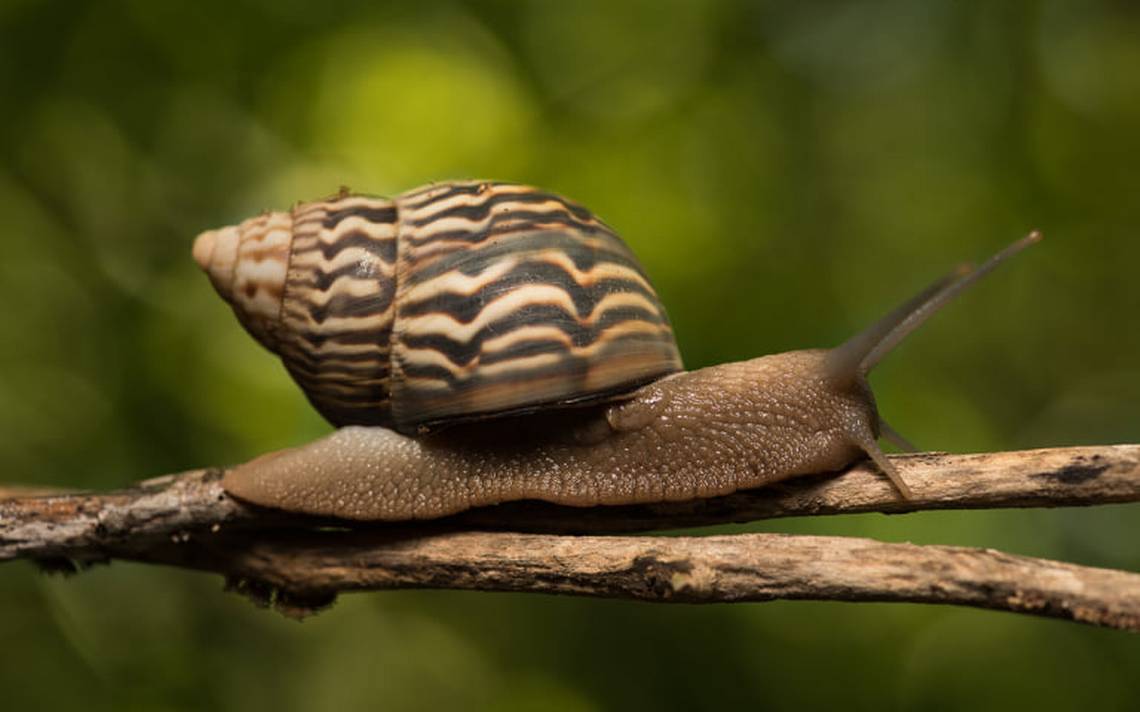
(450, 302)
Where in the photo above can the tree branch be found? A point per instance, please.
(300, 563)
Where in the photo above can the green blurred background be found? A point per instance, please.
(786, 171)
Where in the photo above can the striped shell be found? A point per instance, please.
(453, 301)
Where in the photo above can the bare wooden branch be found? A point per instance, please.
(64, 524)
(303, 573)
(301, 563)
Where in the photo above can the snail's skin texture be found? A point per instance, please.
(697, 434)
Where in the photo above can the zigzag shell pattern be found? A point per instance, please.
(453, 301)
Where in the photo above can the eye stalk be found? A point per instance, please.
(853, 360)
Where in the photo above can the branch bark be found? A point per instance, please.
(299, 563)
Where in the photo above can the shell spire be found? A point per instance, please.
(248, 264)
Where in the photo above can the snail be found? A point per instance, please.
(480, 342)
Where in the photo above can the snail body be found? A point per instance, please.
(485, 342)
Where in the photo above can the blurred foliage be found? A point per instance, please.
(787, 171)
